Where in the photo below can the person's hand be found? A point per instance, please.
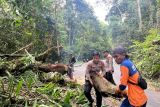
(125, 93)
(88, 77)
(120, 93)
(111, 71)
(117, 91)
(90, 81)
(99, 74)
(74, 80)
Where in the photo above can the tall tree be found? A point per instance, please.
(158, 15)
(139, 14)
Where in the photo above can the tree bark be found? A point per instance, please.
(61, 68)
(156, 42)
(139, 14)
(20, 65)
(151, 13)
(158, 18)
(17, 67)
(12, 55)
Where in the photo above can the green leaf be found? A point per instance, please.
(81, 99)
(67, 100)
(26, 104)
(19, 86)
(29, 82)
(35, 103)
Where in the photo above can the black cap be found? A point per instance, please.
(95, 53)
(106, 51)
(119, 50)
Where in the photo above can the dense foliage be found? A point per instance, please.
(147, 55)
(48, 23)
(135, 24)
(27, 91)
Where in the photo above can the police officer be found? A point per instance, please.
(109, 67)
(95, 65)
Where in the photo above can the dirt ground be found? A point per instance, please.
(79, 73)
(153, 95)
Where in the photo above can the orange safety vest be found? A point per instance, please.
(136, 95)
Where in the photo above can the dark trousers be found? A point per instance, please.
(109, 77)
(70, 72)
(87, 92)
(126, 103)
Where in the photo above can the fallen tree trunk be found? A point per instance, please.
(41, 57)
(156, 42)
(105, 87)
(156, 75)
(44, 55)
(60, 68)
(19, 66)
(12, 55)
(25, 47)
(25, 62)
(15, 67)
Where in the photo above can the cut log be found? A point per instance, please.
(12, 55)
(156, 42)
(60, 68)
(105, 87)
(19, 66)
(15, 66)
(156, 75)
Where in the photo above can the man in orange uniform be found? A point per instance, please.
(129, 73)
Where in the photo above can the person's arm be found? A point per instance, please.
(124, 78)
(103, 69)
(110, 66)
(87, 75)
(72, 61)
(121, 89)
